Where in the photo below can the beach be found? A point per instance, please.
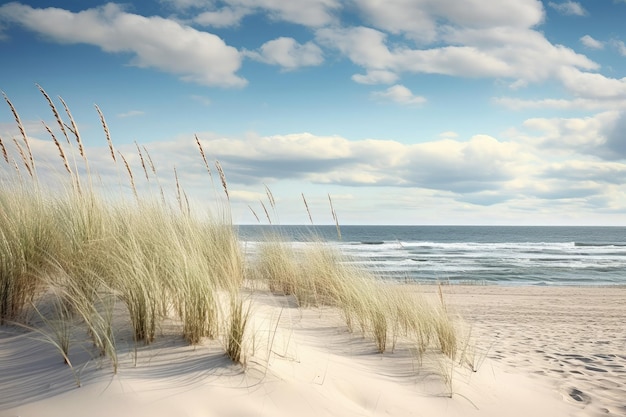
(538, 350)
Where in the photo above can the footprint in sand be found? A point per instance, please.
(579, 396)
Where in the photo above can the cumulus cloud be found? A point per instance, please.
(569, 8)
(154, 42)
(591, 43)
(588, 171)
(593, 85)
(482, 170)
(313, 13)
(419, 19)
(616, 135)
(288, 53)
(619, 46)
(186, 4)
(548, 160)
(594, 92)
(363, 46)
(224, 17)
(375, 77)
(597, 137)
(522, 55)
(450, 165)
(399, 94)
(486, 41)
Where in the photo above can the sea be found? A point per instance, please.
(502, 255)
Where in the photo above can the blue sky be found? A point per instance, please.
(404, 111)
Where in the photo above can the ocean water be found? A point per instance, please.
(507, 255)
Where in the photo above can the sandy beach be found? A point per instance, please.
(543, 351)
(573, 337)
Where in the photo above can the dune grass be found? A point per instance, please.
(83, 256)
(317, 274)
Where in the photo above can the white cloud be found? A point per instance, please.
(522, 55)
(500, 43)
(448, 135)
(363, 46)
(592, 43)
(399, 94)
(224, 17)
(313, 13)
(131, 113)
(186, 4)
(288, 53)
(154, 42)
(546, 163)
(619, 46)
(569, 8)
(247, 196)
(375, 77)
(477, 164)
(561, 104)
(591, 85)
(3, 35)
(420, 19)
(583, 138)
(205, 101)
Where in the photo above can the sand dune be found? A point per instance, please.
(542, 351)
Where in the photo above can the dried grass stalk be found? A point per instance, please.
(203, 155)
(334, 213)
(105, 127)
(178, 193)
(20, 150)
(60, 148)
(220, 171)
(152, 168)
(55, 112)
(270, 196)
(143, 163)
(5, 154)
(307, 209)
(130, 174)
(30, 162)
(266, 213)
(255, 215)
(74, 130)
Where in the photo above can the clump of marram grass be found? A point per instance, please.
(156, 260)
(316, 274)
(27, 236)
(276, 264)
(236, 326)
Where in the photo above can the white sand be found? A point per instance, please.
(551, 352)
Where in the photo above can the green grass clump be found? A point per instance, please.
(26, 238)
(316, 274)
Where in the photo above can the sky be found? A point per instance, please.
(403, 111)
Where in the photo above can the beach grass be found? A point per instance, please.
(74, 256)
